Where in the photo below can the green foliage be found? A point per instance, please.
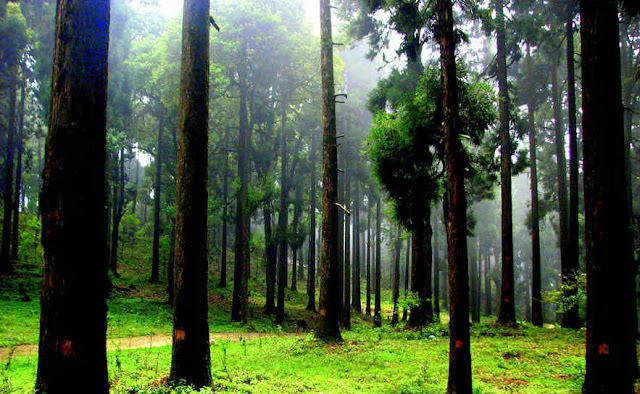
(571, 292)
(411, 300)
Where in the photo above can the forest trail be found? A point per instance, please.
(148, 341)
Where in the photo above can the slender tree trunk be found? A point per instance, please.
(157, 193)
(377, 314)
(272, 259)
(118, 206)
(297, 210)
(171, 264)
(571, 317)
(568, 319)
(475, 316)
(341, 222)
(283, 219)
(73, 320)
(406, 276)
(328, 328)
(346, 315)
(225, 213)
(611, 361)
(240, 305)
(368, 306)
(436, 276)
(536, 276)
(5, 248)
(395, 290)
(191, 360)
(311, 282)
(507, 313)
(15, 233)
(456, 213)
(487, 285)
(357, 277)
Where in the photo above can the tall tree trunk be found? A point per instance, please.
(536, 275)
(297, 210)
(15, 232)
(357, 302)
(377, 314)
(406, 276)
(311, 282)
(73, 320)
(507, 313)
(283, 219)
(611, 361)
(571, 317)
(171, 264)
(487, 285)
(118, 206)
(157, 193)
(5, 248)
(421, 314)
(240, 305)
(225, 212)
(346, 314)
(341, 221)
(436, 276)
(191, 360)
(456, 213)
(568, 318)
(395, 278)
(272, 259)
(368, 306)
(328, 328)
(475, 315)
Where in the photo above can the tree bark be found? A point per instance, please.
(6, 265)
(240, 305)
(611, 363)
(395, 280)
(406, 276)
(157, 192)
(283, 220)
(311, 282)
(571, 317)
(377, 314)
(327, 328)
(191, 360)
(507, 313)
(456, 213)
(357, 302)
(436, 276)
(368, 306)
(536, 276)
(225, 213)
(73, 320)
(346, 313)
(15, 232)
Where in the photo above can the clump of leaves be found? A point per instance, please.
(571, 292)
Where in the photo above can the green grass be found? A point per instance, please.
(386, 360)
(369, 361)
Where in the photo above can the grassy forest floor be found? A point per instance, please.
(263, 358)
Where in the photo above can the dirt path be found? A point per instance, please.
(149, 341)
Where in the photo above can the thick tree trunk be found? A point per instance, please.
(157, 192)
(571, 317)
(377, 314)
(536, 275)
(507, 313)
(191, 360)
(456, 213)
(611, 363)
(73, 320)
(328, 328)
(311, 282)
(240, 305)
(421, 314)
